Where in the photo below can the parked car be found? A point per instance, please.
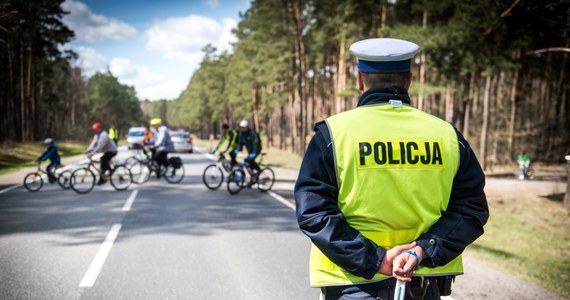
(134, 136)
(182, 141)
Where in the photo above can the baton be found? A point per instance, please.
(400, 290)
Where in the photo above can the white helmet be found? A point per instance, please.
(48, 141)
(243, 123)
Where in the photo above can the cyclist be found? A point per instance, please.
(162, 143)
(250, 139)
(523, 159)
(53, 155)
(102, 143)
(229, 135)
(148, 136)
(524, 163)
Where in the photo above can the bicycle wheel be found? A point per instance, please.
(121, 178)
(33, 182)
(82, 180)
(173, 175)
(64, 179)
(236, 181)
(265, 179)
(213, 177)
(131, 160)
(140, 172)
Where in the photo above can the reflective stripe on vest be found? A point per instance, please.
(395, 168)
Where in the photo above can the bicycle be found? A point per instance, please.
(141, 164)
(525, 172)
(83, 179)
(34, 181)
(213, 175)
(174, 170)
(264, 179)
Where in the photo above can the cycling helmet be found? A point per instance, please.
(243, 123)
(48, 141)
(155, 122)
(96, 126)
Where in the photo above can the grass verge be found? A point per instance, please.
(14, 156)
(528, 236)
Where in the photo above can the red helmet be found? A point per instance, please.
(96, 126)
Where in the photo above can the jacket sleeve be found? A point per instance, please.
(91, 147)
(462, 223)
(46, 154)
(256, 142)
(319, 217)
(102, 142)
(222, 140)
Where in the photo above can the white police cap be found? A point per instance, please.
(384, 54)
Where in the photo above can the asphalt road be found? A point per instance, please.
(152, 241)
(183, 241)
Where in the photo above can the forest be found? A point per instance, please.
(497, 70)
(41, 93)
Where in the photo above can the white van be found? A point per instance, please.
(134, 136)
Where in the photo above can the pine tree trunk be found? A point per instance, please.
(292, 102)
(301, 71)
(384, 15)
(254, 106)
(422, 67)
(512, 118)
(449, 103)
(484, 127)
(22, 117)
(341, 78)
(566, 203)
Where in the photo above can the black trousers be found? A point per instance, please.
(383, 290)
(252, 163)
(51, 170)
(233, 160)
(105, 159)
(161, 158)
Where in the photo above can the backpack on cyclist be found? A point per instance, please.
(175, 161)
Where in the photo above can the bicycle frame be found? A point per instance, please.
(45, 172)
(223, 163)
(264, 179)
(91, 166)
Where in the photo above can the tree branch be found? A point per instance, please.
(506, 12)
(552, 49)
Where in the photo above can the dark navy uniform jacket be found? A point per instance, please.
(319, 217)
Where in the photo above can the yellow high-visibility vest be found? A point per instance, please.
(113, 134)
(395, 167)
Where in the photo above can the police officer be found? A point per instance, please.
(386, 191)
(114, 135)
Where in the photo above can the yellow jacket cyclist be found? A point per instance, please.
(350, 237)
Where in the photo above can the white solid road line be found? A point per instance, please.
(130, 201)
(97, 264)
(11, 188)
(282, 200)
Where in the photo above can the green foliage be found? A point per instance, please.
(112, 103)
(31, 33)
